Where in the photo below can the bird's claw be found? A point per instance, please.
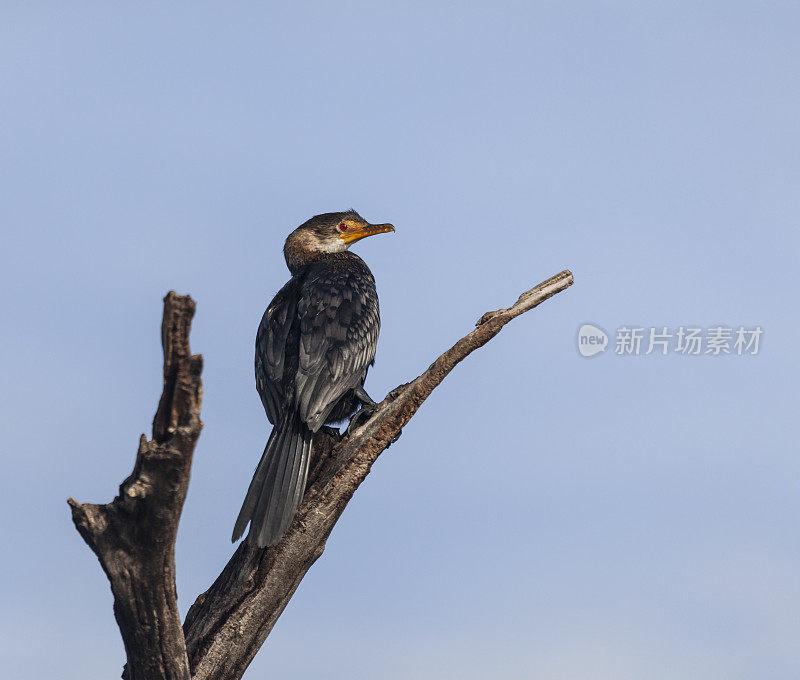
(359, 416)
(332, 432)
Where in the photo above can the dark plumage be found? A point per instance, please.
(314, 346)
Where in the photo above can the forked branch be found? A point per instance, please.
(134, 536)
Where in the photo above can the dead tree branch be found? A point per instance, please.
(228, 623)
(134, 535)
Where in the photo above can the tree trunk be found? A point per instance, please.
(134, 535)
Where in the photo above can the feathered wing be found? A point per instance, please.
(339, 326)
(277, 325)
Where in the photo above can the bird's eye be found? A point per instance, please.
(342, 227)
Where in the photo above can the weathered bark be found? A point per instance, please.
(134, 535)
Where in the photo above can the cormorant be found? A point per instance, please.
(315, 343)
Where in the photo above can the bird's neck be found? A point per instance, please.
(301, 253)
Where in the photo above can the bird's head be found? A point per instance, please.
(329, 233)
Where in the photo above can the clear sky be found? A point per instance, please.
(544, 515)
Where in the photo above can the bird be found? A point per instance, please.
(315, 343)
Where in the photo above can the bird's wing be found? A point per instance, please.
(271, 358)
(339, 325)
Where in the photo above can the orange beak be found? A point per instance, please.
(355, 231)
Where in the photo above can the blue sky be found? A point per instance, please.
(544, 515)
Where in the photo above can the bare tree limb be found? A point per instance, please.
(228, 623)
(134, 535)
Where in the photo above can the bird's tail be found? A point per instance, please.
(278, 483)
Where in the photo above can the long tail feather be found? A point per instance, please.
(276, 489)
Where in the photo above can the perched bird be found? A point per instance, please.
(314, 346)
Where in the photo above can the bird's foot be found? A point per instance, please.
(359, 418)
(364, 398)
(332, 432)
